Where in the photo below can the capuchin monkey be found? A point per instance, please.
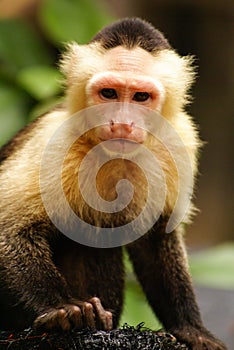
(49, 280)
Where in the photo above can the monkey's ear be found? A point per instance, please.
(79, 61)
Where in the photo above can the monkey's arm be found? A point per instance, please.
(161, 266)
(34, 289)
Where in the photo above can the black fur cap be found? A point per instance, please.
(132, 32)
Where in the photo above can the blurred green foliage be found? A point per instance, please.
(211, 268)
(214, 267)
(30, 82)
(76, 20)
(136, 307)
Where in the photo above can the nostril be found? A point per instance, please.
(125, 128)
(112, 125)
(128, 127)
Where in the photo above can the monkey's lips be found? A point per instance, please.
(120, 145)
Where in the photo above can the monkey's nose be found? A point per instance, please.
(121, 130)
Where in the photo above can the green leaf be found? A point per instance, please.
(136, 308)
(13, 112)
(214, 267)
(41, 82)
(21, 46)
(73, 20)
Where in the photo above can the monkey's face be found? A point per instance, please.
(126, 79)
(158, 81)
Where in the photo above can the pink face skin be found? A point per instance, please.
(127, 77)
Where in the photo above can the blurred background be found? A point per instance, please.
(32, 36)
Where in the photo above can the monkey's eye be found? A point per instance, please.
(141, 96)
(108, 93)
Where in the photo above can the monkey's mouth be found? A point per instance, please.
(120, 145)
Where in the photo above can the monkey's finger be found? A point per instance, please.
(109, 321)
(53, 319)
(88, 315)
(39, 321)
(104, 318)
(74, 315)
(61, 320)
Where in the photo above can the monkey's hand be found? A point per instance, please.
(78, 315)
(198, 339)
